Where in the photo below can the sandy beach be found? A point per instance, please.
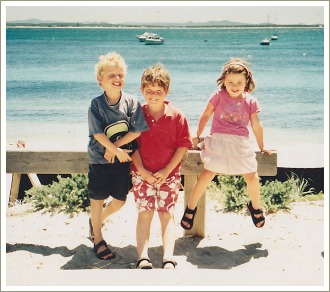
(45, 250)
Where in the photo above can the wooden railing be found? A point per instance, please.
(68, 162)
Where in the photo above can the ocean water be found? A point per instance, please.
(50, 81)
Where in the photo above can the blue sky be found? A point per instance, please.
(279, 12)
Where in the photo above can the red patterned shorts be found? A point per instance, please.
(160, 198)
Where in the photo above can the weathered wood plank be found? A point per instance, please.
(47, 162)
(67, 162)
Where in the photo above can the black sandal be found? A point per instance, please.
(190, 221)
(144, 264)
(169, 261)
(106, 254)
(254, 212)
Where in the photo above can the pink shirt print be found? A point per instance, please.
(232, 115)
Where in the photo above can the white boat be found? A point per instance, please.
(274, 37)
(265, 42)
(154, 40)
(144, 36)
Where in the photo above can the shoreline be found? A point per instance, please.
(118, 26)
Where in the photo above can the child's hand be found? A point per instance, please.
(122, 155)
(266, 151)
(109, 156)
(161, 176)
(148, 177)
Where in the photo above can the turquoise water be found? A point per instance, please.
(50, 77)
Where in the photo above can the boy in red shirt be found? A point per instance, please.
(156, 165)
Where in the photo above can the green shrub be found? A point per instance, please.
(234, 191)
(69, 195)
(231, 192)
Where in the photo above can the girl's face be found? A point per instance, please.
(154, 94)
(112, 79)
(235, 84)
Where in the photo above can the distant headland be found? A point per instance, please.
(190, 24)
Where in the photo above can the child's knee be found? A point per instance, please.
(117, 204)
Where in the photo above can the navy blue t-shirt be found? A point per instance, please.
(101, 115)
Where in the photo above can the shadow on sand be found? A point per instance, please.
(210, 257)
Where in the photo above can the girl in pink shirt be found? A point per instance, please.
(228, 150)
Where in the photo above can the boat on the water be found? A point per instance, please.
(265, 42)
(144, 36)
(154, 40)
(274, 37)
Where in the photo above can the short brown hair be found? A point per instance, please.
(156, 74)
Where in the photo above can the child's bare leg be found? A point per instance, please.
(253, 187)
(200, 186)
(168, 233)
(143, 233)
(111, 208)
(96, 217)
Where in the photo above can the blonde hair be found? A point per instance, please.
(110, 59)
(156, 74)
(237, 66)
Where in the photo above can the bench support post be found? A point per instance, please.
(14, 188)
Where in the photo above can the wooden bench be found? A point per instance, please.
(68, 162)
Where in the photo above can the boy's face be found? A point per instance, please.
(154, 94)
(112, 79)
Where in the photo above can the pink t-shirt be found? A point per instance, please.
(158, 144)
(232, 115)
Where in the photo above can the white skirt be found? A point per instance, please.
(228, 154)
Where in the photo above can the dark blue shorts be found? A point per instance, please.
(112, 179)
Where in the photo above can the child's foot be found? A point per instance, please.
(257, 216)
(188, 217)
(169, 264)
(144, 264)
(103, 252)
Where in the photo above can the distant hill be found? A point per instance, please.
(223, 23)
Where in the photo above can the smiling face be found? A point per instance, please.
(112, 78)
(154, 94)
(235, 84)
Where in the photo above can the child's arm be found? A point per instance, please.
(208, 112)
(130, 136)
(162, 174)
(258, 131)
(145, 174)
(112, 150)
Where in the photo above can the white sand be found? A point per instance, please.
(47, 251)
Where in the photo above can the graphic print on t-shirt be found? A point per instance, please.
(118, 130)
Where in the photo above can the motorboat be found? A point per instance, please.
(154, 40)
(144, 36)
(274, 37)
(265, 42)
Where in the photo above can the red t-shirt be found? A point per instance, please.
(158, 144)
